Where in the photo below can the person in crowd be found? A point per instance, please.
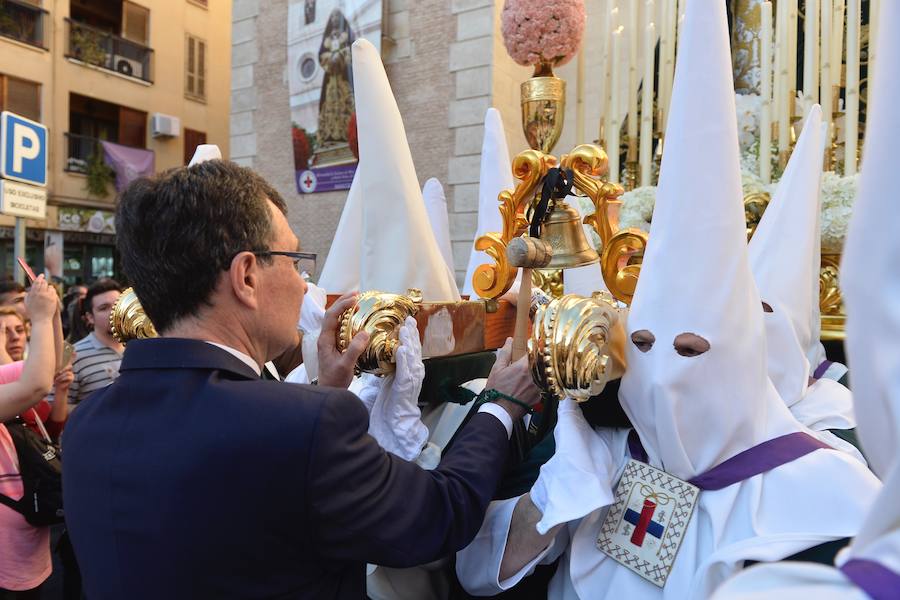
(12, 294)
(870, 567)
(71, 309)
(99, 354)
(715, 472)
(12, 352)
(213, 261)
(24, 549)
(14, 333)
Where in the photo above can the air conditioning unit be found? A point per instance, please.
(164, 125)
(128, 66)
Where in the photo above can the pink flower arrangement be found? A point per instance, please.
(536, 31)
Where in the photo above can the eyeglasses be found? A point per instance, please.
(304, 262)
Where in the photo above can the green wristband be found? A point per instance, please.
(493, 395)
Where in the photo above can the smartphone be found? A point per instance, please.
(68, 351)
(28, 272)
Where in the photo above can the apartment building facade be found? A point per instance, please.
(148, 80)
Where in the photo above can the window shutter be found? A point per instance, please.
(190, 85)
(201, 69)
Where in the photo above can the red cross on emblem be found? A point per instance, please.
(307, 182)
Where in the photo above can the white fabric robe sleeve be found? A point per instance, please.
(789, 580)
(478, 564)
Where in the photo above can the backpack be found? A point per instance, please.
(40, 466)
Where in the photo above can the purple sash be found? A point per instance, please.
(820, 370)
(876, 580)
(744, 465)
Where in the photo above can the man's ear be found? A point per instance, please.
(243, 277)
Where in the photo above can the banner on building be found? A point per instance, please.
(323, 117)
(91, 220)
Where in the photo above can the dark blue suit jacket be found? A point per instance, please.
(189, 477)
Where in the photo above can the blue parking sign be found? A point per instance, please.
(23, 149)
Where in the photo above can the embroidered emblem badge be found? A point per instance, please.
(644, 527)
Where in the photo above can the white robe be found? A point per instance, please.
(765, 518)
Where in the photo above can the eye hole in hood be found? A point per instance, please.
(643, 340)
(690, 344)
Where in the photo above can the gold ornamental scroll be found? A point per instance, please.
(494, 279)
(571, 350)
(588, 162)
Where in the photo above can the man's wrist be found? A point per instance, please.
(515, 411)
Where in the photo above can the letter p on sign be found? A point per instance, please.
(23, 149)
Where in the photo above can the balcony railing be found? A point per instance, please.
(23, 22)
(107, 51)
(80, 150)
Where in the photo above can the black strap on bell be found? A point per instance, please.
(557, 186)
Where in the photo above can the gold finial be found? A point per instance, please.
(128, 320)
(380, 315)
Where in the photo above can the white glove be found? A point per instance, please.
(312, 313)
(577, 480)
(396, 421)
(366, 388)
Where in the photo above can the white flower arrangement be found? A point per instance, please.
(749, 107)
(637, 208)
(838, 195)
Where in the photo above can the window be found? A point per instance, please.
(21, 97)
(195, 68)
(136, 23)
(203, 3)
(192, 139)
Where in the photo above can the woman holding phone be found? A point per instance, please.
(25, 560)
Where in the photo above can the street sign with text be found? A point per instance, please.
(23, 149)
(20, 200)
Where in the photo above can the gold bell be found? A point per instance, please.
(565, 234)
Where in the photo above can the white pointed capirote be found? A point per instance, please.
(436, 207)
(784, 256)
(696, 280)
(496, 176)
(696, 387)
(205, 152)
(341, 272)
(870, 279)
(870, 282)
(390, 239)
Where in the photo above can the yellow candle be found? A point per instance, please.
(633, 35)
(765, 121)
(782, 87)
(851, 135)
(825, 97)
(810, 52)
(614, 121)
(647, 100)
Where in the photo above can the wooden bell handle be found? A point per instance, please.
(523, 306)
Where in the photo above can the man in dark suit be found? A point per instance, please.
(192, 478)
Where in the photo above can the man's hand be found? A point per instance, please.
(513, 379)
(336, 367)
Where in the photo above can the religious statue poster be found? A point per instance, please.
(323, 116)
